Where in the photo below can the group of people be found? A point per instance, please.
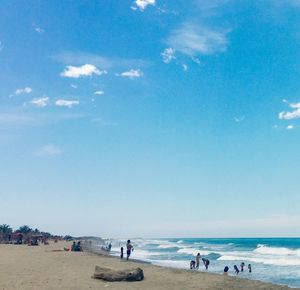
(76, 247)
(194, 264)
(237, 270)
(129, 250)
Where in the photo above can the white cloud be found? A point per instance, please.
(132, 74)
(184, 67)
(26, 90)
(290, 127)
(39, 30)
(168, 55)
(194, 40)
(239, 119)
(73, 86)
(79, 71)
(40, 102)
(48, 150)
(295, 105)
(66, 103)
(142, 4)
(292, 114)
(98, 93)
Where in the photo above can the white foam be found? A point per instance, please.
(277, 251)
(192, 251)
(167, 246)
(263, 260)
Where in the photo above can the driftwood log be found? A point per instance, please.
(112, 275)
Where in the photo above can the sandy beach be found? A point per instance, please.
(46, 267)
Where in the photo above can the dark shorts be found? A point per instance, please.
(128, 253)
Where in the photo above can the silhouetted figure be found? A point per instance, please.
(226, 269)
(198, 257)
(129, 249)
(192, 264)
(249, 268)
(206, 263)
(236, 269)
(242, 266)
(122, 253)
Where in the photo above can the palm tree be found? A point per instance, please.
(24, 230)
(5, 232)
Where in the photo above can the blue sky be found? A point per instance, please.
(151, 118)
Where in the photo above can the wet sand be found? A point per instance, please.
(45, 268)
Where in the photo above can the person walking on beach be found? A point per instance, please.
(129, 249)
(198, 257)
(236, 269)
(122, 253)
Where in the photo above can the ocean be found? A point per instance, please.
(275, 260)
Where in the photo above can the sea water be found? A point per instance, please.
(275, 260)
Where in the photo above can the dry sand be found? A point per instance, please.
(23, 267)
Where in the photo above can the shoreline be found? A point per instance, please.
(50, 267)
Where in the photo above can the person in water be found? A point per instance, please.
(198, 257)
(249, 268)
(242, 266)
(129, 249)
(192, 264)
(122, 253)
(236, 269)
(226, 269)
(206, 263)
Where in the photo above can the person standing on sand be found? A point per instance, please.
(198, 257)
(122, 253)
(129, 249)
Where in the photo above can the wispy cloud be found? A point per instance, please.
(73, 86)
(1, 45)
(40, 102)
(132, 74)
(39, 30)
(48, 150)
(80, 71)
(290, 127)
(15, 119)
(168, 55)
(66, 103)
(184, 67)
(193, 40)
(98, 93)
(102, 122)
(294, 114)
(26, 90)
(239, 119)
(142, 4)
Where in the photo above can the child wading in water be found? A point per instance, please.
(122, 253)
